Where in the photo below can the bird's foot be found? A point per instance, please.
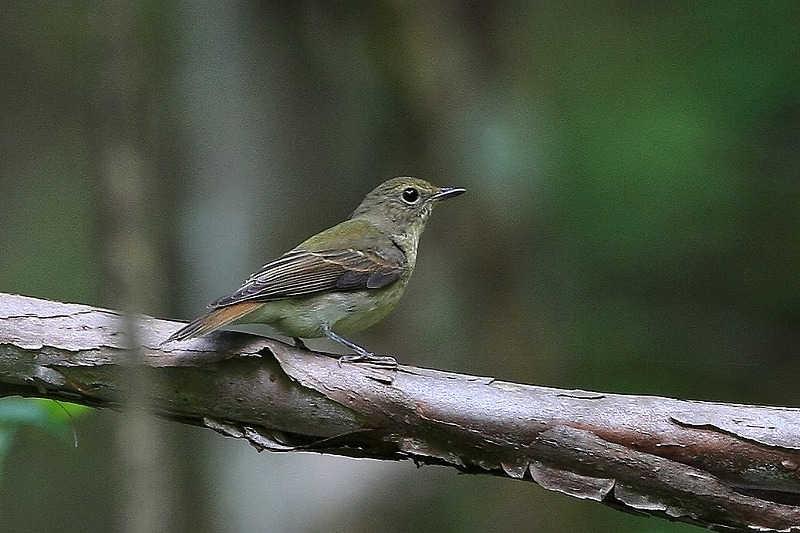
(361, 355)
(384, 361)
(299, 344)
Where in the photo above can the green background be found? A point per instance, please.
(631, 221)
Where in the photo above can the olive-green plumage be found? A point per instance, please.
(341, 280)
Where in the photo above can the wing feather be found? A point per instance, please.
(304, 272)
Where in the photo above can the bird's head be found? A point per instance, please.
(403, 204)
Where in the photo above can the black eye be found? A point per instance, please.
(410, 195)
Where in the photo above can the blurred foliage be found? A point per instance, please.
(633, 176)
(48, 415)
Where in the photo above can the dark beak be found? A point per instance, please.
(447, 192)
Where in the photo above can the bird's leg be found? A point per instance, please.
(361, 355)
(299, 344)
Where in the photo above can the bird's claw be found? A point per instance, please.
(384, 361)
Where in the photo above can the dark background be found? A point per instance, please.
(631, 221)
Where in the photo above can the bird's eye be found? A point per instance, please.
(410, 195)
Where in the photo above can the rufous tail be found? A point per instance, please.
(212, 320)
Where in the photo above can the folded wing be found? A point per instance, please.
(302, 272)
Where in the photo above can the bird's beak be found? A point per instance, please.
(447, 192)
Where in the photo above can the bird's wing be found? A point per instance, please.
(302, 272)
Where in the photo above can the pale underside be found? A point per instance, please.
(343, 312)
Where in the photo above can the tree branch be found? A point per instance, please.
(710, 464)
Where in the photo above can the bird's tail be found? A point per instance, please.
(212, 320)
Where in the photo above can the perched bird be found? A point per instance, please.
(339, 281)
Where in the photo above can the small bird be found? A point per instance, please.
(341, 280)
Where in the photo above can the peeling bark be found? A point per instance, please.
(716, 465)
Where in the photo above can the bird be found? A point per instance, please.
(339, 281)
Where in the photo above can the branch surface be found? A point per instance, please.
(724, 466)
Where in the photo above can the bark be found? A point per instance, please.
(717, 465)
